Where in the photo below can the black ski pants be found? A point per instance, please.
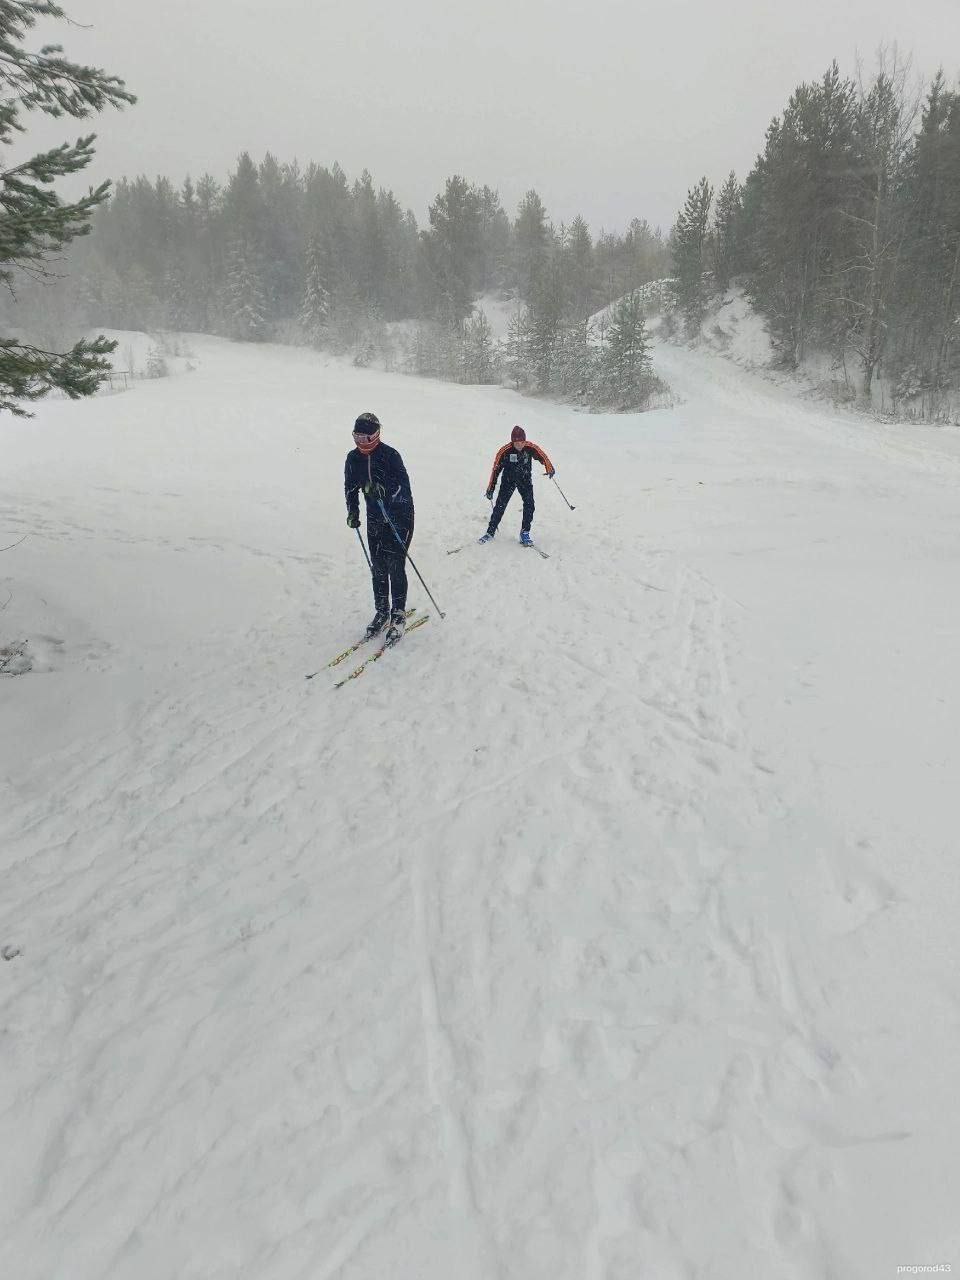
(524, 487)
(389, 565)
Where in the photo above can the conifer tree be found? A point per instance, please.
(877, 215)
(532, 240)
(579, 362)
(246, 300)
(34, 222)
(725, 224)
(689, 245)
(626, 357)
(793, 204)
(929, 278)
(516, 354)
(315, 310)
(495, 240)
(480, 355)
(454, 244)
(545, 324)
(580, 274)
(370, 259)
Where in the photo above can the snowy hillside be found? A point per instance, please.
(600, 931)
(738, 331)
(500, 312)
(734, 329)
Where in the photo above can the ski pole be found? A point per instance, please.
(406, 555)
(563, 495)
(365, 556)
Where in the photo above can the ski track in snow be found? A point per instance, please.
(548, 948)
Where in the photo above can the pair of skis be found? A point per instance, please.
(388, 643)
(531, 545)
(393, 638)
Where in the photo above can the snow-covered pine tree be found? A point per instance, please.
(579, 362)
(580, 273)
(689, 255)
(625, 366)
(929, 285)
(204, 287)
(453, 244)
(480, 362)
(245, 299)
(725, 222)
(531, 244)
(372, 341)
(516, 355)
(450, 350)
(156, 366)
(878, 216)
(796, 234)
(495, 241)
(34, 222)
(546, 325)
(315, 309)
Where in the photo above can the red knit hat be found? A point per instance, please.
(518, 433)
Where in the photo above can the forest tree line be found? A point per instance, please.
(845, 234)
(305, 255)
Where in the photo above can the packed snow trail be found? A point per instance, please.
(598, 931)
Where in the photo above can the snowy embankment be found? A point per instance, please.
(736, 330)
(602, 930)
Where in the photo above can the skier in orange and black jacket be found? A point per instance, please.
(514, 462)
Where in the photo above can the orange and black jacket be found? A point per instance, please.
(516, 458)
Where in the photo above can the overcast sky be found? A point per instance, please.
(611, 108)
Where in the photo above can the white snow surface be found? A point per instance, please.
(500, 312)
(737, 329)
(604, 930)
(135, 349)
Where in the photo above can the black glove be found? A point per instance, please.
(489, 495)
(353, 521)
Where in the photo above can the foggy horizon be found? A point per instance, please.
(576, 107)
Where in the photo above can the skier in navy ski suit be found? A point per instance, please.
(377, 471)
(514, 461)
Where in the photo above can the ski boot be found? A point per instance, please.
(378, 622)
(398, 622)
(487, 537)
(525, 538)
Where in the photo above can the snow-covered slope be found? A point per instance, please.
(602, 930)
(137, 352)
(736, 329)
(500, 312)
(733, 328)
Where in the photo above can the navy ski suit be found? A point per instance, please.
(381, 477)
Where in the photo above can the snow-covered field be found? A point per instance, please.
(606, 930)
